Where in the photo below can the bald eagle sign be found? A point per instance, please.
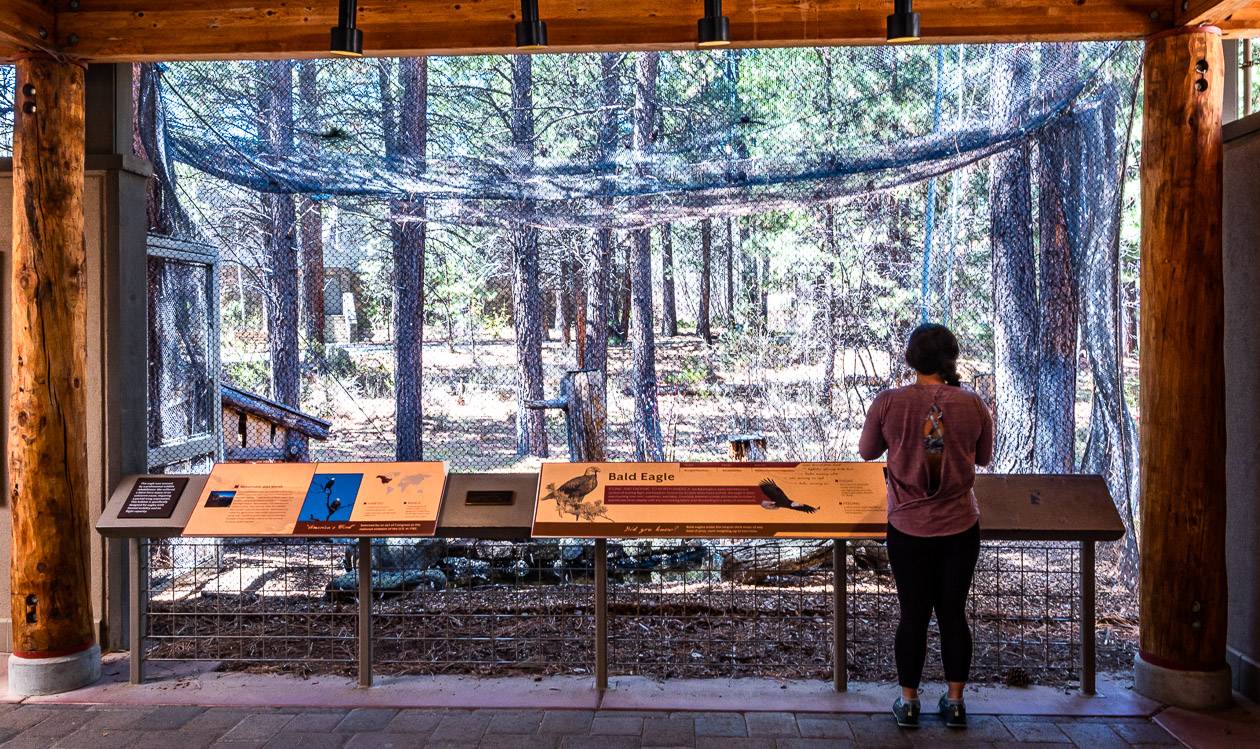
(710, 500)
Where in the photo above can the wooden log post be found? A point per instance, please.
(1182, 580)
(54, 646)
(582, 398)
(747, 447)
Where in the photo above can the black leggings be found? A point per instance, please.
(933, 573)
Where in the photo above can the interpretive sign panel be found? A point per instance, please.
(319, 499)
(152, 498)
(710, 500)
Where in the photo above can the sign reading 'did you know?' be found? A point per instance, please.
(319, 499)
(710, 500)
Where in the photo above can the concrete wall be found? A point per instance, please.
(1242, 398)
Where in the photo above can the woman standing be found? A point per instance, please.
(935, 434)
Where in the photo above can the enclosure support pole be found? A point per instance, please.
(840, 615)
(1182, 594)
(365, 612)
(601, 614)
(54, 641)
(135, 612)
(1088, 619)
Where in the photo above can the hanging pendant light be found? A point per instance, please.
(531, 33)
(903, 24)
(347, 40)
(715, 28)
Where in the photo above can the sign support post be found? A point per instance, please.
(137, 564)
(840, 614)
(1089, 641)
(365, 612)
(601, 614)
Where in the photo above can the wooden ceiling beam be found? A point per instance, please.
(26, 25)
(1211, 12)
(123, 30)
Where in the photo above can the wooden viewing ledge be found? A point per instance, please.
(1013, 508)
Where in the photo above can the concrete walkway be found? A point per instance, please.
(53, 726)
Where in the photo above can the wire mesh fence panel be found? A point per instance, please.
(410, 252)
(249, 603)
(483, 607)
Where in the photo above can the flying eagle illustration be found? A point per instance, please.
(775, 498)
(570, 496)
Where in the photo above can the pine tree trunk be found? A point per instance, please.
(669, 307)
(730, 274)
(408, 231)
(599, 276)
(703, 328)
(1015, 313)
(312, 224)
(624, 303)
(831, 333)
(531, 432)
(647, 427)
(1056, 340)
(280, 237)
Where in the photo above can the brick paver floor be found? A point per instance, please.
(182, 727)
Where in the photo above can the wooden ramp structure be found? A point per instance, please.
(72, 313)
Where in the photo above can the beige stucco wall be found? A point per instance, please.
(1242, 398)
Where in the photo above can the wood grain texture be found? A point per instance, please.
(115, 30)
(47, 406)
(1210, 12)
(1182, 589)
(26, 24)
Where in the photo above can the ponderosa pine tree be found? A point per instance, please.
(408, 238)
(647, 425)
(311, 216)
(279, 230)
(1014, 268)
(703, 313)
(527, 319)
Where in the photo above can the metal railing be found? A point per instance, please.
(664, 609)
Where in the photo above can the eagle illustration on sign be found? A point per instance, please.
(570, 496)
(776, 499)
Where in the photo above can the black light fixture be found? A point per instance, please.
(347, 40)
(531, 33)
(715, 28)
(903, 24)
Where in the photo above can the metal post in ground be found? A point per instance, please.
(365, 612)
(840, 615)
(1088, 614)
(136, 566)
(601, 614)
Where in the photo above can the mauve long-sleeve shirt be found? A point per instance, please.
(910, 423)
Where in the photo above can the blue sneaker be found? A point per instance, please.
(906, 713)
(953, 713)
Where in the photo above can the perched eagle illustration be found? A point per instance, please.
(571, 496)
(331, 503)
(775, 498)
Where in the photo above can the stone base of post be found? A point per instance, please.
(30, 677)
(1192, 690)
